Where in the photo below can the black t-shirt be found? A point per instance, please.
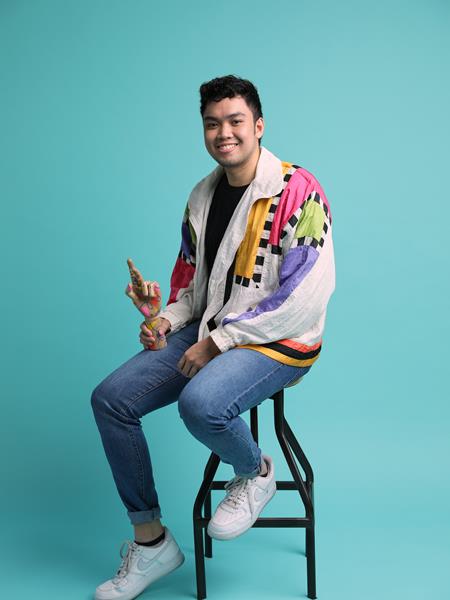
(224, 202)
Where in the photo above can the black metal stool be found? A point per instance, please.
(304, 486)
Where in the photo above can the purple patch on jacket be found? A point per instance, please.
(297, 263)
(186, 240)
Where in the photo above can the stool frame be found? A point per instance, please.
(305, 487)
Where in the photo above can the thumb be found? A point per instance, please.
(165, 326)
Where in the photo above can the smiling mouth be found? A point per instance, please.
(225, 148)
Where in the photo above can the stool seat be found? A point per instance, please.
(302, 484)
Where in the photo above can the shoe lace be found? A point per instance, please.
(236, 491)
(125, 565)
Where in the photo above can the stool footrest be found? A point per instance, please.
(269, 522)
(281, 485)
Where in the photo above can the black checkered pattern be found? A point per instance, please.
(308, 240)
(264, 241)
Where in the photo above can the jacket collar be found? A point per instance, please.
(268, 181)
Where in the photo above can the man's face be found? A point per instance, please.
(231, 134)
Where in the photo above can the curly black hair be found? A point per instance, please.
(230, 86)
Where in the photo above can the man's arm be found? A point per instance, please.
(180, 306)
(306, 282)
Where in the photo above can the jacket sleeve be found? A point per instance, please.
(179, 309)
(306, 281)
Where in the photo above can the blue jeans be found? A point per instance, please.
(209, 404)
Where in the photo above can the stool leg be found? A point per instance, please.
(291, 448)
(300, 455)
(254, 423)
(210, 470)
(311, 561)
(208, 539)
(199, 562)
(289, 455)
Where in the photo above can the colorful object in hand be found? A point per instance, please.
(146, 296)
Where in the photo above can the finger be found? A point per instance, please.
(135, 275)
(146, 339)
(155, 290)
(138, 281)
(192, 371)
(147, 289)
(129, 291)
(131, 268)
(148, 346)
(147, 334)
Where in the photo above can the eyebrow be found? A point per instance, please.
(236, 114)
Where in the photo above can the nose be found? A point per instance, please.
(225, 131)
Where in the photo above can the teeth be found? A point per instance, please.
(227, 146)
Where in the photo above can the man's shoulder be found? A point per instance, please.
(300, 177)
(302, 186)
(202, 190)
(298, 170)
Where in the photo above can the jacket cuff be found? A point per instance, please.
(222, 339)
(176, 323)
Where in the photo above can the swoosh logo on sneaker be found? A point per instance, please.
(260, 494)
(143, 564)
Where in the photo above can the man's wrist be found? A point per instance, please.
(213, 346)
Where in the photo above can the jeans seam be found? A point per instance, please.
(238, 435)
(151, 389)
(141, 466)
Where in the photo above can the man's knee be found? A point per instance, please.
(105, 398)
(196, 412)
(189, 406)
(99, 398)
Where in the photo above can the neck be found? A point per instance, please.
(243, 174)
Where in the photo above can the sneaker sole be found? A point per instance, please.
(165, 570)
(229, 535)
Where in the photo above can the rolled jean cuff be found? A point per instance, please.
(144, 516)
(249, 475)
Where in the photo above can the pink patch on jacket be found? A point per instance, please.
(300, 186)
(181, 277)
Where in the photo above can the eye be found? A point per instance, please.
(237, 121)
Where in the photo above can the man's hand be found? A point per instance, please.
(147, 337)
(197, 356)
(146, 295)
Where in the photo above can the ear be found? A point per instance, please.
(259, 127)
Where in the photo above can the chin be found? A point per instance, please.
(228, 161)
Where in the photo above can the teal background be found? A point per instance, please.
(101, 143)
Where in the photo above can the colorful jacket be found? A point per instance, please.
(274, 270)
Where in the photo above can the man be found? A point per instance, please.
(245, 318)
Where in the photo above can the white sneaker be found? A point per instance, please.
(140, 566)
(243, 503)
